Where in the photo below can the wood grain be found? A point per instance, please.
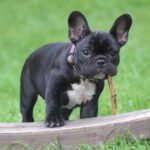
(86, 131)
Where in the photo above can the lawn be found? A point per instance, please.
(27, 25)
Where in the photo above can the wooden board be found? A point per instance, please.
(86, 131)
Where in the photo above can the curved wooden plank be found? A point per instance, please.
(86, 131)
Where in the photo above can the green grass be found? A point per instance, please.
(124, 144)
(26, 25)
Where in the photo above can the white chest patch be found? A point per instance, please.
(80, 93)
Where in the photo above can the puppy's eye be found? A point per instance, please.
(114, 53)
(86, 52)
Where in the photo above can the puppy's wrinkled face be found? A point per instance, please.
(97, 52)
(97, 55)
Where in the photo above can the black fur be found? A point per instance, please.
(48, 73)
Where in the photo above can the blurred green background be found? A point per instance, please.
(27, 25)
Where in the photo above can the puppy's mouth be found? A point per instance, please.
(101, 76)
(98, 76)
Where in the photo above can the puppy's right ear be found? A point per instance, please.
(78, 26)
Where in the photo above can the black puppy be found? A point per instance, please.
(72, 74)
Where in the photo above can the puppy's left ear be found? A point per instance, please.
(120, 28)
(78, 26)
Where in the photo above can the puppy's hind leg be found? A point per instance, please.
(28, 98)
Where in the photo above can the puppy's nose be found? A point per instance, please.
(100, 62)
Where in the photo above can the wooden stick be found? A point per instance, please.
(113, 95)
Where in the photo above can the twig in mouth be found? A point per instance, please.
(113, 95)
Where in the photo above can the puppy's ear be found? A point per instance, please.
(120, 28)
(78, 26)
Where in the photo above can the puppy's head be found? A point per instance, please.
(97, 52)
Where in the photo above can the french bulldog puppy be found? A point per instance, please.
(67, 75)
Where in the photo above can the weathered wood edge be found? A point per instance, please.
(86, 131)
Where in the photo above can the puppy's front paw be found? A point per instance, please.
(54, 122)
